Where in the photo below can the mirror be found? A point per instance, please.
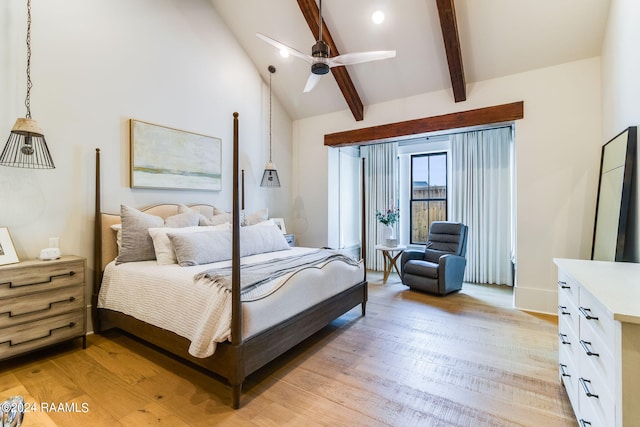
(614, 195)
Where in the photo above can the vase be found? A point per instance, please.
(388, 236)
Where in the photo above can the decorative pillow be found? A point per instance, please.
(201, 248)
(254, 218)
(216, 219)
(216, 245)
(261, 238)
(136, 243)
(165, 254)
(219, 217)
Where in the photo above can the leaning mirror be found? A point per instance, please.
(614, 195)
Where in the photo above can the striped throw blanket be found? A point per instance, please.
(254, 275)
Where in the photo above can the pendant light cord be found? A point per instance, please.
(270, 74)
(27, 101)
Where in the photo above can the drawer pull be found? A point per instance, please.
(11, 315)
(562, 371)
(585, 387)
(562, 339)
(587, 313)
(51, 331)
(563, 285)
(584, 423)
(51, 278)
(587, 348)
(586, 345)
(562, 309)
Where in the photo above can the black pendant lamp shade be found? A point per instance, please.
(270, 175)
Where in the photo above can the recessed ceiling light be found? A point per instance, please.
(377, 17)
(284, 53)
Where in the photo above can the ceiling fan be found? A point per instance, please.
(320, 60)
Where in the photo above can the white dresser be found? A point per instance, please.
(599, 340)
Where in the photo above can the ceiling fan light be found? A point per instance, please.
(377, 17)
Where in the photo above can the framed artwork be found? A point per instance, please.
(7, 251)
(166, 158)
(279, 222)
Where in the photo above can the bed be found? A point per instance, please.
(255, 336)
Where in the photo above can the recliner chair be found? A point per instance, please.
(439, 269)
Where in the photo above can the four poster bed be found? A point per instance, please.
(263, 320)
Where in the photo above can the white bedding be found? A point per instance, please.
(167, 296)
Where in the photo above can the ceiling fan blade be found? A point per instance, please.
(359, 57)
(312, 81)
(283, 46)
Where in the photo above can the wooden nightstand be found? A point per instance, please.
(41, 303)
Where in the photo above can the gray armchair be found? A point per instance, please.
(439, 269)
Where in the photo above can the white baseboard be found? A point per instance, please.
(536, 300)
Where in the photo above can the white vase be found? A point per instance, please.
(388, 236)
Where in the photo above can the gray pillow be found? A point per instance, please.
(215, 245)
(202, 247)
(136, 243)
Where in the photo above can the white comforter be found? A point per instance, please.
(168, 297)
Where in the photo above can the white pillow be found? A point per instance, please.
(162, 246)
(254, 218)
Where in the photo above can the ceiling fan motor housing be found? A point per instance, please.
(320, 51)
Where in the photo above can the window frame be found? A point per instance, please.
(430, 199)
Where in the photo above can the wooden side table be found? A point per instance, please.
(390, 258)
(41, 303)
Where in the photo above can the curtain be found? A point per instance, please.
(481, 190)
(381, 190)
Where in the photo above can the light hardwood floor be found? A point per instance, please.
(467, 359)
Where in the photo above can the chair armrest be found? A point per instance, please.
(451, 269)
(409, 255)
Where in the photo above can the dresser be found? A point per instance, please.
(599, 340)
(41, 303)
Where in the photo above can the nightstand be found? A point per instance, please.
(291, 239)
(41, 303)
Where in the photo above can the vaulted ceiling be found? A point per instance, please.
(440, 44)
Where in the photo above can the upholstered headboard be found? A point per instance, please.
(109, 247)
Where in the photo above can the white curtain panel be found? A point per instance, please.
(481, 199)
(381, 190)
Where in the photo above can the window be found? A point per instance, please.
(428, 193)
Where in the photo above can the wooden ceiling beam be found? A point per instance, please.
(449, 25)
(309, 9)
(375, 134)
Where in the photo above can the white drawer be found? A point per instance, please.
(594, 394)
(592, 413)
(568, 312)
(568, 287)
(568, 372)
(598, 318)
(594, 350)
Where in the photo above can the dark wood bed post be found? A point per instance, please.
(97, 250)
(237, 376)
(363, 219)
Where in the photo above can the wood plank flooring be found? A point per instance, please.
(467, 359)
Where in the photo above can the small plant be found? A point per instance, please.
(390, 216)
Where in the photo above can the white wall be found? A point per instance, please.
(621, 86)
(95, 65)
(557, 160)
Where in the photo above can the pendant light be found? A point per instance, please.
(26, 146)
(270, 175)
